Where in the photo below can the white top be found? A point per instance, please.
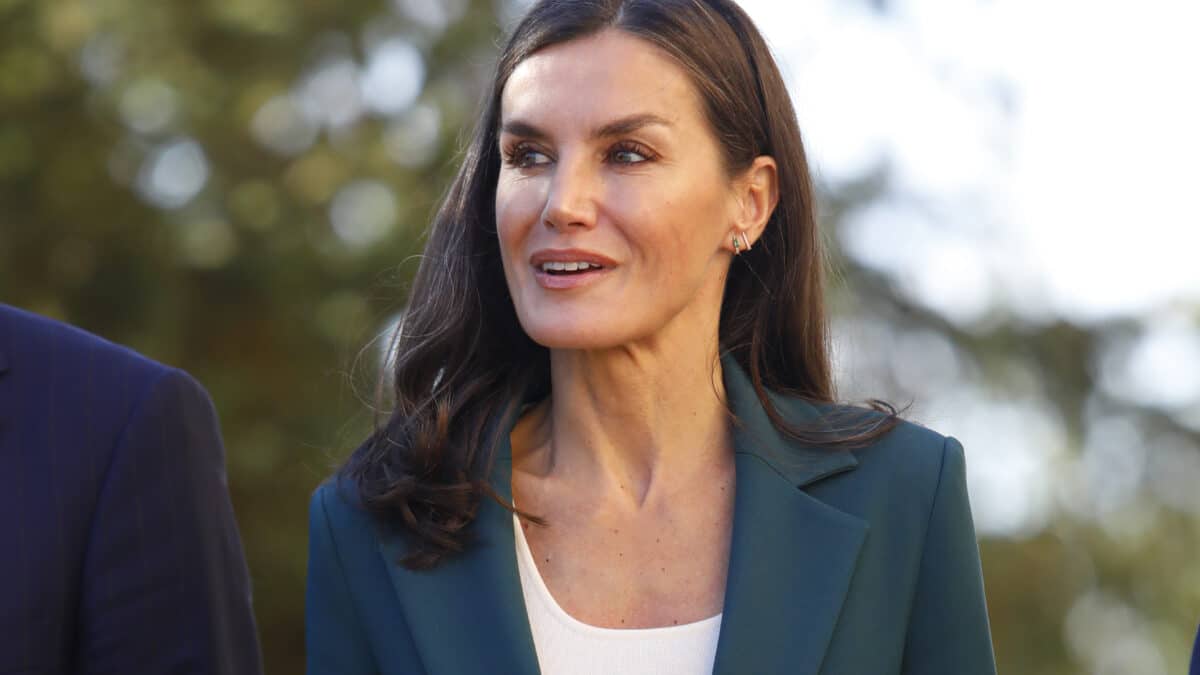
(567, 646)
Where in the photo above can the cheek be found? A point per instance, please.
(518, 207)
(680, 229)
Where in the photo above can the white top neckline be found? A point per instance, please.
(527, 564)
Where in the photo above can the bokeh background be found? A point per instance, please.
(239, 188)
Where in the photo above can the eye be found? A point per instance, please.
(628, 152)
(524, 156)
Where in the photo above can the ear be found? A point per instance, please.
(757, 193)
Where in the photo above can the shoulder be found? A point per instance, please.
(335, 499)
(342, 530)
(336, 509)
(909, 450)
(41, 346)
(901, 470)
(64, 377)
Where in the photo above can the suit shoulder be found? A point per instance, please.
(907, 461)
(896, 481)
(914, 442)
(911, 440)
(336, 503)
(35, 341)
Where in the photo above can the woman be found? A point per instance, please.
(614, 447)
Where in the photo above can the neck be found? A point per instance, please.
(634, 422)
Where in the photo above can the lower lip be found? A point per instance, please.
(565, 281)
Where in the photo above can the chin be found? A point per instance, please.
(592, 334)
(560, 337)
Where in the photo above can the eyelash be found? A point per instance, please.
(514, 155)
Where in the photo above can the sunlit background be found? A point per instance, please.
(239, 187)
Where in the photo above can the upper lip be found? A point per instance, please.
(569, 255)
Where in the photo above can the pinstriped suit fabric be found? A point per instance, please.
(125, 552)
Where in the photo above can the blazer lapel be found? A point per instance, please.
(792, 556)
(468, 616)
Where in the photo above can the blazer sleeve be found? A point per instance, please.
(165, 587)
(948, 629)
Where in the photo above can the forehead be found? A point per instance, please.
(593, 79)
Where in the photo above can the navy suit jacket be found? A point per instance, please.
(121, 553)
(1195, 667)
(842, 563)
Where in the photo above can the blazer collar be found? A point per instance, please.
(791, 561)
(754, 435)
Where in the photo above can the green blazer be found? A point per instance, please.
(856, 562)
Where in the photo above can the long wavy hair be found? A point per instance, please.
(462, 364)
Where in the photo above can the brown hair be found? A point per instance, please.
(462, 363)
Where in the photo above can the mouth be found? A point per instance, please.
(561, 276)
(559, 269)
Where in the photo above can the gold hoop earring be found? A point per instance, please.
(737, 246)
(746, 241)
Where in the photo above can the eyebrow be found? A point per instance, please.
(617, 127)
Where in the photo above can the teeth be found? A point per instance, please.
(566, 266)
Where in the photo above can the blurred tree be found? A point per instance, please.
(1109, 583)
(238, 187)
(235, 187)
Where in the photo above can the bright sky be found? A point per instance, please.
(1045, 152)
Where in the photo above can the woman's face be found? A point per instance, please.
(609, 162)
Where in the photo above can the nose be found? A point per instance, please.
(572, 197)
